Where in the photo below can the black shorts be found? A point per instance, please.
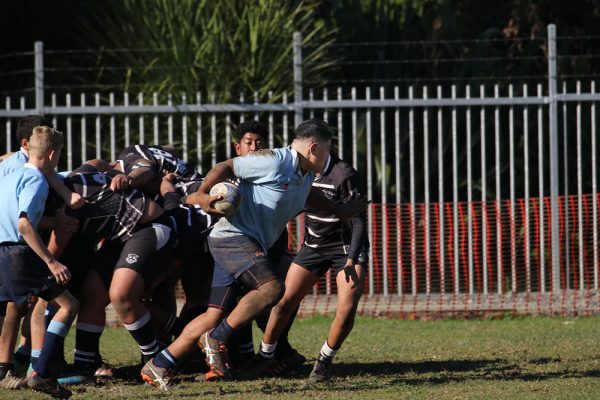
(318, 261)
(226, 297)
(146, 252)
(79, 256)
(240, 266)
(23, 274)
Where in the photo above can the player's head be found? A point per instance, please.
(25, 127)
(46, 144)
(313, 140)
(250, 136)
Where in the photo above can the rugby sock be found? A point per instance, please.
(23, 354)
(56, 333)
(87, 343)
(143, 333)
(243, 339)
(165, 359)
(223, 332)
(327, 351)
(49, 314)
(267, 350)
(174, 325)
(34, 357)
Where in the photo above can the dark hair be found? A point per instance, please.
(26, 124)
(251, 126)
(313, 128)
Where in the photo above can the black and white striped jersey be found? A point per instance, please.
(109, 214)
(339, 183)
(192, 224)
(160, 160)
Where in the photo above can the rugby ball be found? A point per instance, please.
(231, 197)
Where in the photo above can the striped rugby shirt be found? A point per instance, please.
(109, 214)
(161, 160)
(339, 182)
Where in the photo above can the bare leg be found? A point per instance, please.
(297, 283)
(10, 329)
(347, 303)
(187, 342)
(254, 303)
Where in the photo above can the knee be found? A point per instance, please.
(118, 297)
(72, 309)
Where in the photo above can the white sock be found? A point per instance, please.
(267, 350)
(327, 351)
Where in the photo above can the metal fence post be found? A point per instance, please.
(298, 78)
(553, 130)
(39, 77)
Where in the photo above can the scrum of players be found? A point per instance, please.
(124, 232)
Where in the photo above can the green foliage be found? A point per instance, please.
(223, 47)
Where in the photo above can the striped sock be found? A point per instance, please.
(34, 357)
(55, 336)
(87, 343)
(165, 359)
(327, 351)
(143, 333)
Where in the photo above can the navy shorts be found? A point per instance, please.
(146, 252)
(240, 266)
(319, 261)
(23, 274)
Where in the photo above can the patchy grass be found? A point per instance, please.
(530, 358)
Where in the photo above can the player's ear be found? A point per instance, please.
(25, 144)
(237, 148)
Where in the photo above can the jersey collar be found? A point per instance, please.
(33, 167)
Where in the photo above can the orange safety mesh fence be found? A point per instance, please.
(474, 259)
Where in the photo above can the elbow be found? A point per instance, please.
(23, 226)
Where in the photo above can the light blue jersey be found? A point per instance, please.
(24, 190)
(15, 161)
(273, 191)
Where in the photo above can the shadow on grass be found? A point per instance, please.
(430, 372)
(445, 371)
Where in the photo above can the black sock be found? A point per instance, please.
(87, 343)
(143, 333)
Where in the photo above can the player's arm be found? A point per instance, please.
(317, 199)
(348, 191)
(219, 173)
(119, 180)
(29, 233)
(72, 199)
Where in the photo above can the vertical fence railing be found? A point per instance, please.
(432, 234)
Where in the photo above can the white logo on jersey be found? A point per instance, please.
(131, 258)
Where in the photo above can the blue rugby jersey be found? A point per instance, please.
(273, 191)
(25, 190)
(15, 161)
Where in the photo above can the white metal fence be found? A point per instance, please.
(424, 145)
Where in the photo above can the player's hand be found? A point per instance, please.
(350, 273)
(119, 182)
(61, 272)
(167, 185)
(207, 202)
(65, 223)
(352, 208)
(76, 201)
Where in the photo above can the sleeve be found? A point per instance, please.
(32, 196)
(171, 201)
(257, 165)
(349, 190)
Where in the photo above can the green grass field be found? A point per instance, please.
(526, 358)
